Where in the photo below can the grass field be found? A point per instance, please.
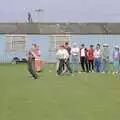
(81, 97)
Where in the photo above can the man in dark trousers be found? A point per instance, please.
(63, 56)
(31, 63)
(83, 58)
(68, 48)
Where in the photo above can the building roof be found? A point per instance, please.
(52, 28)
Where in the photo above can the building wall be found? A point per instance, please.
(43, 41)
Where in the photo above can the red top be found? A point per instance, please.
(90, 54)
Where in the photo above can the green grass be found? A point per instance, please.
(81, 97)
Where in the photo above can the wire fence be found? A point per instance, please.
(48, 45)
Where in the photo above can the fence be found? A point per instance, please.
(48, 44)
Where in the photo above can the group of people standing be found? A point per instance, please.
(92, 59)
(34, 62)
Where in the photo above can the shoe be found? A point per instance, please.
(72, 74)
(56, 74)
(103, 72)
(113, 73)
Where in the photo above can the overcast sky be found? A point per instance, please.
(61, 10)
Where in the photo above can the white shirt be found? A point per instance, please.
(59, 54)
(62, 54)
(66, 55)
(82, 52)
(97, 53)
(75, 51)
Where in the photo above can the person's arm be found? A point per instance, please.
(94, 53)
(58, 54)
(33, 53)
(119, 56)
(101, 53)
(78, 51)
(71, 51)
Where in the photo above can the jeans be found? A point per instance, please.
(75, 63)
(116, 65)
(97, 63)
(105, 65)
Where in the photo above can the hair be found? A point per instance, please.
(66, 43)
(91, 45)
(83, 45)
(98, 45)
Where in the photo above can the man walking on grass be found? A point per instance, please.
(31, 62)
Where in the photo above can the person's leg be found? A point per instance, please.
(86, 63)
(114, 64)
(107, 66)
(77, 63)
(92, 64)
(89, 65)
(60, 68)
(99, 65)
(29, 66)
(37, 65)
(95, 64)
(68, 66)
(117, 66)
(73, 64)
(31, 69)
(34, 71)
(57, 65)
(82, 63)
(103, 65)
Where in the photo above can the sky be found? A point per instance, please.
(61, 10)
